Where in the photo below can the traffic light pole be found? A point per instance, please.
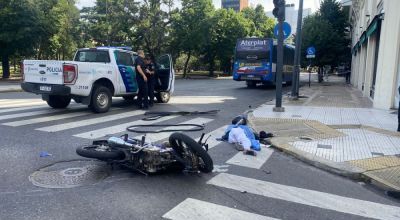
(296, 69)
(279, 70)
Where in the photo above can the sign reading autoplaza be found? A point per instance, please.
(255, 44)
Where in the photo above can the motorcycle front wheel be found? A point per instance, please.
(181, 142)
(100, 152)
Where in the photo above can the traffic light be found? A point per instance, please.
(279, 10)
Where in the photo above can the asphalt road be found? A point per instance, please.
(282, 188)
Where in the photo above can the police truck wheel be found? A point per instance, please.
(251, 84)
(58, 101)
(163, 97)
(101, 99)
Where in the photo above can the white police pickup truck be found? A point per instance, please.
(93, 78)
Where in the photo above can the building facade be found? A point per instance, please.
(236, 5)
(375, 33)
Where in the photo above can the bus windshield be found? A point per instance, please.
(253, 49)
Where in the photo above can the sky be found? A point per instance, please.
(268, 5)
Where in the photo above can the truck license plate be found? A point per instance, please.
(45, 88)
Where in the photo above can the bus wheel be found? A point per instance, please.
(251, 84)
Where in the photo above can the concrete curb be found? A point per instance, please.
(342, 168)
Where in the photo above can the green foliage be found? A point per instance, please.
(111, 22)
(262, 25)
(225, 27)
(19, 27)
(190, 26)
(325, 30)
(197, 35)
(153, 28)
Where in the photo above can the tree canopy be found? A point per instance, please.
(326, 31)
(196, 34)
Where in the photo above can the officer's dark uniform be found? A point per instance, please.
(143, 101)
(150, 83)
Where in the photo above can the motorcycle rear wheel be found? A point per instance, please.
(181, 141)
(97, 152)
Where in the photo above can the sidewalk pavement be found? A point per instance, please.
(10, 86)
(335, 128)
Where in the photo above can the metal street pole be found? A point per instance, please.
(297, 54)
(279, 68)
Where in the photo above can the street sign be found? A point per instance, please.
(287, 30)
(310, 53)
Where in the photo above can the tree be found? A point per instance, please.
(226, 26)
(19, 30)
(64, 41)
(111, 22)
(262, 25)
(153, 30)
(326, 31)
(190, 27)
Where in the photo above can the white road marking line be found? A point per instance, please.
(13, 101)
(15, 109)
(217, 133)
(92, 121)
(160, 136)
(307, 197)
(194, 209)
(22, 108)
(27, 114)
(22, 104)
(118, 128)
(46, 119)
(256, 162)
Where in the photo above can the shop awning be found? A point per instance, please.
(362, 39)
(372, 28)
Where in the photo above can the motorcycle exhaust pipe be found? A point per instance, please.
(118, 142)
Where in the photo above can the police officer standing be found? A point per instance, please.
(141, 79)
(149, 71)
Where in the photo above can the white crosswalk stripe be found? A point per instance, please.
(92, 121)
(22, 108)
(194, 209)
(307, 197)
(27, 114)
(160, 136)
(15, 101)
(217, 133)
(46, 119)
(118, 128)
(256, 162)
(22, 104)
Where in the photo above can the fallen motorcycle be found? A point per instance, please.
(180, 151)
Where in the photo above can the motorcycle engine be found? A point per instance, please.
(154, 159)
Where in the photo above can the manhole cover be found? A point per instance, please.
(70, 174)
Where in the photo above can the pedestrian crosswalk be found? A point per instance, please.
(306, 197)
(192, 208)
(45, 119)
(199, 210)
(95, 126)
(91, 121)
